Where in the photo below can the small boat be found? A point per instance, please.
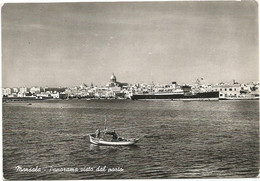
(117, 142)
(97, 139)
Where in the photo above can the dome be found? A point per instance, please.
(113, 78)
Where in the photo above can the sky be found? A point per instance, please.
(67, 44)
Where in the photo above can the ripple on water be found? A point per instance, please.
(180, 139)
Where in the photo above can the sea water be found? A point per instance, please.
(179, 139)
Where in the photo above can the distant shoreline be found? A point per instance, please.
(4, 100)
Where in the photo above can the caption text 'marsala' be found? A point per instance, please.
(69, 169)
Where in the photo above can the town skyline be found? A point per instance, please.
(115, 89)
(68, 44)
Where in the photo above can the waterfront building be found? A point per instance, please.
(23, 90)
(15, 90)
(63, 96)
(55, 95)
(35, 90)
(21, 94)
(44, 95)
(14, 94)
(115, 92)
(101, 92)
(91, 92)
(228, 90)
(6, 91)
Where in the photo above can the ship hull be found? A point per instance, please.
(98, 141)
(198, 96)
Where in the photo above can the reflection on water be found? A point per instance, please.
(98, 148)
(179, 139)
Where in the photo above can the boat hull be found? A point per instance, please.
(98, 141)
(198, 96)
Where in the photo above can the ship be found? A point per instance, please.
(202, 96)
(175, 92)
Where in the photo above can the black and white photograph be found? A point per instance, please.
(130, 90)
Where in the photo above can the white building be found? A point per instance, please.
(228, 90)
(35, 90)
(6, 91)
(55, 95)
(21, 94)
(23, 90)
(15, 90)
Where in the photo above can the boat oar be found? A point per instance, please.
(141, 137)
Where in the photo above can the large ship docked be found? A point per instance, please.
(175, 92)
(178, 96)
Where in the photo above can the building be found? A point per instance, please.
(228, 90)
(23, 90)
(114, 83)
(83, 86)
(115, 91)
(55, 95)
(15, 90)
(6, 91)
(35, 90)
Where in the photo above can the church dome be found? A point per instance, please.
(113, 78)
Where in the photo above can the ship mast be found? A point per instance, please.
(105, 122)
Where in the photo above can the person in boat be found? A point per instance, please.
(115, 137)
(113, 134)
(97, 133)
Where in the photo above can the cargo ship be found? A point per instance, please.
(175, 92)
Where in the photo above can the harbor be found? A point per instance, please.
(117, 90)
